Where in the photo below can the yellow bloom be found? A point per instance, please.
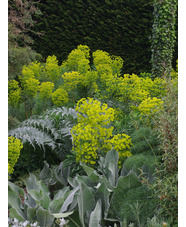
(60, 97)
(150, 106)
(93, 132)
(31, 86)
(14, 147)
(14, 92)
(46, 90)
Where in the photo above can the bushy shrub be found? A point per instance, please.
(72, 80)
(134, 205)
(60, 97)
(34, 70)
(18, 57)
(78, 59)
(92, 136)
(14, 147)
(31, 87)
(140, 163)
(150, 106)
(115, 33)
(14, 92)
(101, 80)
(52, 69)
(45, 90)
(131, 90)
(145, 140)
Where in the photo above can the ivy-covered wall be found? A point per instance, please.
(163, 37)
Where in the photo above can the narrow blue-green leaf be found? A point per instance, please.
(56, 205)
(69, 200)
(92, 174)
(13, 213)
(63, 215)
(61, 193)
(35, 195)
(95, 216)
(103, 193)
(31, 213)
(86, 203)
(16, 189)
(111, 161)
(15, 202)
(44, 218)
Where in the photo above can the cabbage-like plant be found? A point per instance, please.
(36, 204)
(95, 199)
(102, 188)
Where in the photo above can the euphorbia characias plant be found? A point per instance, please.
(92, 136)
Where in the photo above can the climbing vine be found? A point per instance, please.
(163, 37)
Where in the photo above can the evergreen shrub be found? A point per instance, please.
(118, 27)
(92, 136)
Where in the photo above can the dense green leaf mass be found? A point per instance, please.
(163, 37)
(121, 28)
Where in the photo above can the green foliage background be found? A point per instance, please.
(119, 27)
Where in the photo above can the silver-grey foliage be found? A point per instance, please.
(51, 129)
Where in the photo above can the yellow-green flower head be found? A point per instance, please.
(77, 58)
(150, 106)
(31, 86)
(121, 143)
(95, 112)
(159, 88)
(60, 96)
(46, 89)
(92, 129)
(106, 64)
(12, 85)
(85, 49)
(101, 58)
(14, 148)
(83, 66)
(72, 79)
(14, 92)
(33, 70)
(93, 133)
(52, 68)
(133, 89)
(117, 64)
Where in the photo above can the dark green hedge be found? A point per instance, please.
(120, 27)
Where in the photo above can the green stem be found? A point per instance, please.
(74, 222)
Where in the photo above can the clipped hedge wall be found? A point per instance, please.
(119, 27)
